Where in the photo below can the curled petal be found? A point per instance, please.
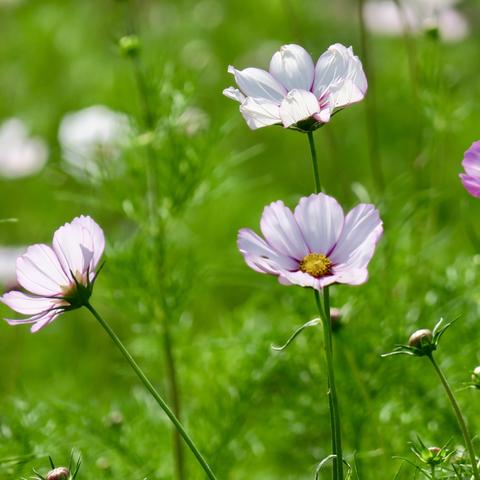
(234, 94)
(259, 112)
(298, 105)
(293, 66)
(257, 83)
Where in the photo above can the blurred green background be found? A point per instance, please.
(255, 413)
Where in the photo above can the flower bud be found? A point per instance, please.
(129, 45)
(476, 377)
(434, 450)
(60, 473)
(336, 318)
(420, 338)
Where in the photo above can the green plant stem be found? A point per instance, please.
(149, 386)
(460, 419)
(324, 312)
(316, 173)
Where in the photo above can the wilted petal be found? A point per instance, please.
(361, 231)
(259, 112)
(281, 231)
(298, 105)
(234, 94)
(320, 218)
(39, 271)
(339, 75)
(293, 66)
(260, 256)
(257, 83)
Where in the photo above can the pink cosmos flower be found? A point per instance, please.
(471, 164)
(316, 245)
(297, 93)
(57, 278)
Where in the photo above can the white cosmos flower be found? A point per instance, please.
(91, 136)
(20, 154)
(295, 92)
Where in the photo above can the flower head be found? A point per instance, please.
(471, 164)
(57, 278)
(314, 246)
(297, 93)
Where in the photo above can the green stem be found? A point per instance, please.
(316, 173)
(149, 386)
(324, 312)
(460, 419)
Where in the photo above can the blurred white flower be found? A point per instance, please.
(20, 155)
(384, 18)
(8, 259)
(193, 120)
(91, 139)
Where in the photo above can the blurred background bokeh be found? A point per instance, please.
(74, 136)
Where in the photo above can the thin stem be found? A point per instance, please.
(460, 419)
(316, 173)
(324, 312)
(149, 386)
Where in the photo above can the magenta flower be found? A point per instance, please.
(57, 278)
(297, 93)
(471, 164)
(316, 245)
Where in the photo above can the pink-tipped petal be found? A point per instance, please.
(320, 218)
(260, 256)
(234, 94)
(39, 271)
(293, 67)
(257, 83)
(281, 231)
(260, 113)
(298, 105)
(361, 231)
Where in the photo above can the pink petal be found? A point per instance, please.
(257, 83)
(320, 218)
(27, 304)
(471, 160)
(303, 279)
(39, 321)
(259, 112)
(298, 105)
(351, 276)
(260, 256)
(472, 184)
(93, 238)
(293, 67)
(40, 272)
(281, 231)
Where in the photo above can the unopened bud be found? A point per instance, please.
(476, 377)
(129, 45)
(434, 450)
(420, 338)
(60, 473)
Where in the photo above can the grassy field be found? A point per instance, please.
(254, 413)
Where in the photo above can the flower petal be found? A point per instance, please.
(351, 276)
(320, 218)
(303, 279)
(471, 160)
(39, 271)
(93, 238)
(293, 66)
(361, 231)
(27, 304)
(234, 94)
(39, 321)
(260, 256)
(298, 105)
(257, 83)
(471, 184)
(339, 75)
(259, 112)
(281, 231)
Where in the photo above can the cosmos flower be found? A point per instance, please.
(90, 136)
(295, 92)
(471, 164)
(20, 154)
(57, 278)
(316, 245)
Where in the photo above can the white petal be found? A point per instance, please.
(303, 279)
(298, 105)
(281, 231)
(27, 304)
(93, 237)
(259, 113)
(257, 83)
(293, 66)
(339, 76)
(234, 94)
(40, 272)
(320, 218)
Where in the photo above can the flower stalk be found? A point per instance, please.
(316, 173)
(149, 386)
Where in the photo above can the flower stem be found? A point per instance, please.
(460, 419)
(149, 386)
(324, 312)
(316, 173)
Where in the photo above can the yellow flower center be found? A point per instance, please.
(316, 264)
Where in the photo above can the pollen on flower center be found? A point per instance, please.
(316, 264)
